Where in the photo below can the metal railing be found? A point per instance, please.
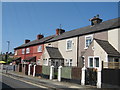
(113, 65)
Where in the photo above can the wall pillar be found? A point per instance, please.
(51, 72)
(83, 76)
(29, 69)
(99, 84)
(34, 70)
(59, 73)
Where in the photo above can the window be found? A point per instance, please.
(90, 62)
(88, 40)
(27, 50)
(68, 62)
(15, 52)
(44, 61)
(23, 51)
(93, 62)
(69, 44)
(96, 62)
(38, 62)
(39, 48)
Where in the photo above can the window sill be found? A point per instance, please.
(86, 48)
(39, 51)
(68, 50)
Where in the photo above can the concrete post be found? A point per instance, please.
(99, 84)
(29, 69)
(51, 72)
(83, 76)
(34, 70)
(59, 73)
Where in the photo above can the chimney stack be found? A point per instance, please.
(95, 20)
(59, 31)
(27, 41)
(39, 36)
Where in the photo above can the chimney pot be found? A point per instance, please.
(39, 36)
(27, 41)
(95, 20)
(59, 31)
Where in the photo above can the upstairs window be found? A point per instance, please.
(69, 44)
(23, 51)
(27, 50)
(88, 40)
(39, 48)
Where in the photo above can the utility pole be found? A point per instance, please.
(7, 51)
(8, 45)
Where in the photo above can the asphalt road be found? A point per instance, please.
(14, 83)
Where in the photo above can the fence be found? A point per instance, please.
(46, 70)
(38, 70)
(71, 74)
(112, 65)
(111, 77)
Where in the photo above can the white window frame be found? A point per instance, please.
(39, 49)
(27, 50)
(23, 51)
(68, 63)
(91, 36)
(67, 45)
(94, 62)
(45, 61)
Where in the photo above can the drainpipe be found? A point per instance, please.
(77, 50)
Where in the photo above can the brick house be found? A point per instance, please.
(31, 51)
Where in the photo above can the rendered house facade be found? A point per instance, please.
(76, 46)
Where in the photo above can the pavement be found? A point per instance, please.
(52, 84)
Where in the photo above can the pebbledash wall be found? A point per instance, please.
(114, 38)
(67, 54)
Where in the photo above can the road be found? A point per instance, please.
(9, 82)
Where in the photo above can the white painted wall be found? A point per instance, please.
(72, 54)
(98, 51)
(114, 38)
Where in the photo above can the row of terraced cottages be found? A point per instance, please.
(90, 54)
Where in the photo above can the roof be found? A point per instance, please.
(103, 26)
(30, 58)
(109, 49)
(35, 42)
(54, 53)
(18, 58)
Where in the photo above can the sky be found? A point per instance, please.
(25, 20)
